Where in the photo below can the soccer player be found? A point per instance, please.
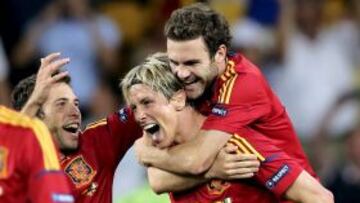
(88, 158)
(29, 166)
(158, 101)
(238, 99)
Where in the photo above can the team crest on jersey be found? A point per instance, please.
(4, 152)
(217, 187)
(123, 114)
(219, 111)
(80, 172)
(271, 183)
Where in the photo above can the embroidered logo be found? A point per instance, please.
(219, 111)
(91, 190)
(123, 115)
(80, 172)
(3, 161)
(271, 183)
(217, 187)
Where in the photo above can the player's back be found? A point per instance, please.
(29, 166)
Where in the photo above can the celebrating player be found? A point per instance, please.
(238, 99)
(88, 158)
(29, 165)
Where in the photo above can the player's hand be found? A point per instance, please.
(48, 74)
(230, 165)
(142, 150)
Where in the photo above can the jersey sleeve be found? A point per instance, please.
(46, 182)
(124, 130)
(277, 170)
(112, 137)
(242, 100)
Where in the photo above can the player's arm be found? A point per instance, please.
(45, 78)
(306, 189)
(163, 181)
(194, 157)
(226, 166)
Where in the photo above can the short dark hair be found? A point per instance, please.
(23, 90)
(198, 20)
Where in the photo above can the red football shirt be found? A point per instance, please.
(244, 105)
(102, 145)
(29, 166)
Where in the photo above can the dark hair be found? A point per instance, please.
(198, 20)
(23, 90)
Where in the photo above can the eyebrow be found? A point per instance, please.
(191, 61)
(65, 99)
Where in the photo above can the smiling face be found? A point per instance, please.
(62, 116)
(155, 114)
(190, 61)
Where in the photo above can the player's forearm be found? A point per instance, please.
(307, 189)
(162, 181)
(194, 157)
(31, 107)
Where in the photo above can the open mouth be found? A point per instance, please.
(152, 128)
(71, 128)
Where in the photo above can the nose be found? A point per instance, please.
(140, 116)
(182, 72)
(75, 111)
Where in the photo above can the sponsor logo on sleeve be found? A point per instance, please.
(58, 197)
(271, 183)
(123, 115)
(219, 111)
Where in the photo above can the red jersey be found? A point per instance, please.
(29, 168)
(244, 105)
(102, 145)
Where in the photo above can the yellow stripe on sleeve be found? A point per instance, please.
(224, 90)
(230, 89)
(249, 146)
(240, 145)
(95, 125)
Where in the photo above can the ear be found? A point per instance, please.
(220, 54)
(178, 100)
(40, 114)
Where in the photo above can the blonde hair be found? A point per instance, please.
(154, 72)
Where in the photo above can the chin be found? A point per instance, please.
(193, 95)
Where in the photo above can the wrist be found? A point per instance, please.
(157, 157)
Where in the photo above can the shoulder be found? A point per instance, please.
(22, 122)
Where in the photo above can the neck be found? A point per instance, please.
(222, 66)
(189, 127)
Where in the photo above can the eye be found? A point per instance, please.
(133, 108)
(60, 104)
(147, 102)
(191, 63)
(172, 62)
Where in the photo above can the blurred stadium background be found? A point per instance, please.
(308, 49)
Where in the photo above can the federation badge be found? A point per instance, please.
(4, 152)
(217, 187)
(80, 172)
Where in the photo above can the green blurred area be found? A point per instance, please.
(144, 195)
